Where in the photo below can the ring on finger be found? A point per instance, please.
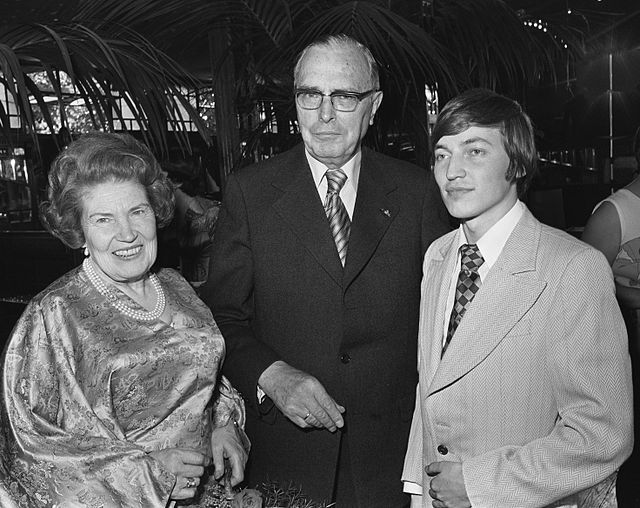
(191, 482)
(307, 415)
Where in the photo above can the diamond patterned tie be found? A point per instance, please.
(339, 221)
(468, 285)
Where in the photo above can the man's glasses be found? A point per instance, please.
(341, 101)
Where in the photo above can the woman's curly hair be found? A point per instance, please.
(96, 158)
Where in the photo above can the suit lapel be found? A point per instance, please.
(301, 209)
(377, 205)
(435, 291)
(512, 287)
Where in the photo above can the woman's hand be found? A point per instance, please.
(229, 442)
(187, 466)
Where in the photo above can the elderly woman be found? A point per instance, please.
(111, 388)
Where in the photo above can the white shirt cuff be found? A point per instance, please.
(260, 394)
(412, 488)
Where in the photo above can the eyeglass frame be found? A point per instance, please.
(360, 96)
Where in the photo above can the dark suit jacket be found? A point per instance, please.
(278, 292)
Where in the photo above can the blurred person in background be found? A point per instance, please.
(195, 218)
(614, 229)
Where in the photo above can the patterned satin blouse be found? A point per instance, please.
(88, 392)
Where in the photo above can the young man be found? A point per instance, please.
(315, 284)
(524, 397)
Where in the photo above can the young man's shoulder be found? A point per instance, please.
(561, 240)
(562, 250)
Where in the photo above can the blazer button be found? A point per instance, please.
(345, 358)
(443, 450)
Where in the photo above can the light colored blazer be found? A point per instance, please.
(534, 393)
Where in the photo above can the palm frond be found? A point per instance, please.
(147, 79)
(487, 40)
(273, 16)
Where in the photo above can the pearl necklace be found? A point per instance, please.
(113, 299)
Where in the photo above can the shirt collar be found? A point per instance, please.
(351, 168)
(493, 241)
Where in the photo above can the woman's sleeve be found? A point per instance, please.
(227, 405)
(58, 451)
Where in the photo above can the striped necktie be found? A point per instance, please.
(468, 285)
(339, 221)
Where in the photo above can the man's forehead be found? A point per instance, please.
(336, 68)
(474, 133)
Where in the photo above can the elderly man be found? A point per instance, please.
(525, 380)
(315, 284)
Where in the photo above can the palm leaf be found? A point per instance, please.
(62, 48)
(273, 16)
(131, 65)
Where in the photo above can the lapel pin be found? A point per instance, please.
(386, 212)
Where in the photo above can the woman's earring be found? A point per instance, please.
(86, 251)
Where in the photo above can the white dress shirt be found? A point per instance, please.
(350, 189)
(490, 245)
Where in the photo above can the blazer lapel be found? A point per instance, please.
(435, 291)
(511, 288)
(377, 205)
(301, 209)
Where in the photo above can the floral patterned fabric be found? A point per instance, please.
(602, 495)
(88, 392)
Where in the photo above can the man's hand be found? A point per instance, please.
(301, 397)
(447, 486)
